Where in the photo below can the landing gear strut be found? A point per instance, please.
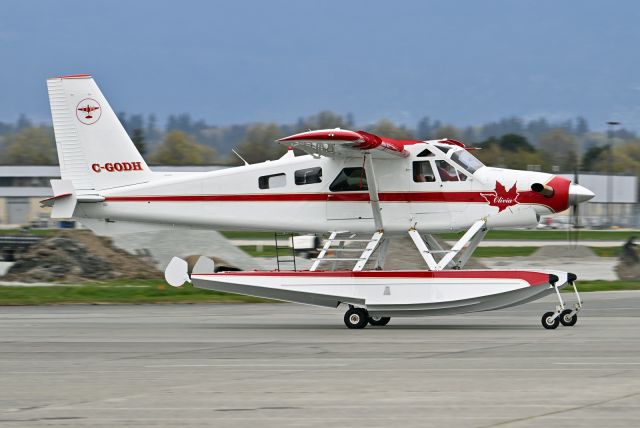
(568, 317)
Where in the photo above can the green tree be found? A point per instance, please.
(594, 158)
(180, 149)
(515, 143)
(559, 148)
(138, 140)
(447, 131)
(625, 158)
(386, 128)
(510, 151)
(259, 144)
(30, 146)
(325, 120)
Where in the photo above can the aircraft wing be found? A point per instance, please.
(344, 143)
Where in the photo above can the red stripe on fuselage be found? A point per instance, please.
(526, 197)
(533, 278)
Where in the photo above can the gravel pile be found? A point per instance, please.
(77, 256)
(554, 252)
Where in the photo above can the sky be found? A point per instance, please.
(463, 62)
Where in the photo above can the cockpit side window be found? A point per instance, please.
(446, 171)
(350, 180)
(466, 160)
(423, 172)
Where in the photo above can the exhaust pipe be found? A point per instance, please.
(543, 189)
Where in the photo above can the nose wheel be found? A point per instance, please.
(569, 317)
(566, 317)
(550, 320)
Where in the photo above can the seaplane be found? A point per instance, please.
(361, 189)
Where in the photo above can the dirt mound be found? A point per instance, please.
(551, 252)
(72, 256)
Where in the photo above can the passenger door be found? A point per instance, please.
(426, 204)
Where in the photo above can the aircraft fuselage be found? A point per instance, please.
(304, 194)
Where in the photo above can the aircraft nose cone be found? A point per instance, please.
(579, 194)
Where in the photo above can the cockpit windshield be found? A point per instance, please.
(466, 160)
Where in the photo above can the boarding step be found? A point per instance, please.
(349, 240)
(361, 261)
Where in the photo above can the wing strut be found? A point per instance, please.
(458, 255)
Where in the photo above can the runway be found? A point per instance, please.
(280, 365)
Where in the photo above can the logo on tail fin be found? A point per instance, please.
(88, 111)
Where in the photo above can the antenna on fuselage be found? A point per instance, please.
(241, 158)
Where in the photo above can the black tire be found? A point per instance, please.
(566, 320)
(379, 321)
(550, 325)
(356, 318)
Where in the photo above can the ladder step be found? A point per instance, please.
(350, 240)
(359, 250)
(333, 259)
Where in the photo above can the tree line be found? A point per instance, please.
(510, 142)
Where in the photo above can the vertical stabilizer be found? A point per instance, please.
(94, 150)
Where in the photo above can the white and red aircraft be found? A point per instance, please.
(351, 182)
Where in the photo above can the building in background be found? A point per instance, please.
(23, 187)
(621, 205)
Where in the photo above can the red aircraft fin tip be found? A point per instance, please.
(72, 76)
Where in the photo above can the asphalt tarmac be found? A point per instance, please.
(280, 365)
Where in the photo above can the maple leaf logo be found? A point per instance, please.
(501, 197)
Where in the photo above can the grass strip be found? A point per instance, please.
(132, 291)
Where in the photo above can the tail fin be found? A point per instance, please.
(94, 150)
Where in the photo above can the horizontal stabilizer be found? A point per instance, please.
(64, 199)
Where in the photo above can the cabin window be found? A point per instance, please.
(446, 171)
(425, 153)
(350, 180)
(308, 176)
(272, 181)
(423, 172)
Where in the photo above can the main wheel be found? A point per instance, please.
(380, 321)
(356, 318)
(549, 322)
(567, 319)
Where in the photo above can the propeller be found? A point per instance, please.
(574, 216)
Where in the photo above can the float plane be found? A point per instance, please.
(349, 184)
